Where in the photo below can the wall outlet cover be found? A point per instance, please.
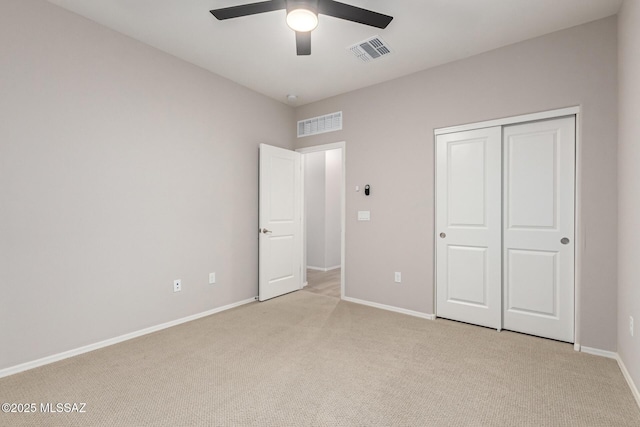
(177, 285)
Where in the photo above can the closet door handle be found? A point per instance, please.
(564, 240)
(443, 235)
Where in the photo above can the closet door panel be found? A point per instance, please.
(467, 285)
(538, 236)
(531, 202)
(532, 282)
(468, 226)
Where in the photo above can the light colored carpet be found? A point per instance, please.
(324, 282)
(310, 360)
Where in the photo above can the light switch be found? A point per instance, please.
(364, 215)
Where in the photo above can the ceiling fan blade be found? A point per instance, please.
(303, 43)
(353, 13)
(248, 9)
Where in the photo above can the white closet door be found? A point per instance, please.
(468, 226)
(538, 218)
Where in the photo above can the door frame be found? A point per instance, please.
(343, 193)
(578, 229)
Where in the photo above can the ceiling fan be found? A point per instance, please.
(302, 16)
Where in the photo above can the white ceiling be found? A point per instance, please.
(259, 51)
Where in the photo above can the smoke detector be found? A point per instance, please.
(370, 49)
(292, 99)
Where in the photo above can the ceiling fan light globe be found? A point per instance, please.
(302, 20)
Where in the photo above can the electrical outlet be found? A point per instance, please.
(177, 285)
(398, 277)
(631, 325)
(212, 278)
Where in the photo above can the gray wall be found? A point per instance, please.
(314, 195)
(629, 187)
(322, 186)
(388, 130)
(121, 169)
(333, 199)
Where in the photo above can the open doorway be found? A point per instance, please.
(323, 222)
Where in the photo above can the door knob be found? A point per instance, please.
(564, 240)
(265, 231)
(443, 235)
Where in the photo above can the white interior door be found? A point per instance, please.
(538, 217)
(280, 229)
(468, 226)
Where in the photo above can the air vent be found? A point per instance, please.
(370, 49)
(320, 124)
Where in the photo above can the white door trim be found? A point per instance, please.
(579, 234)
(579, 237)
(343, 200)
(543, 115)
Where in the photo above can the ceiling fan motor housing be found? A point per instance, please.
(311, 5)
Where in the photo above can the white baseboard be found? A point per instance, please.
(598, 352)
(391, 308)
(627, 376)
(305, 284)
(335, 267)
(623, 368)
(70, 353)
